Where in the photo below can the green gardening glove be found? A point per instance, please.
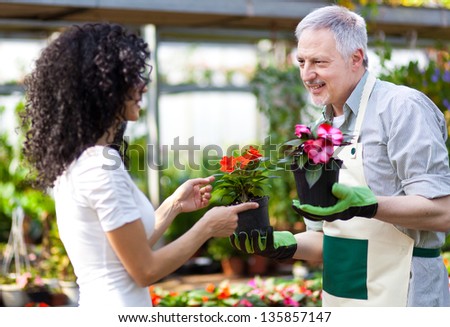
(267, 243)
(352, 201)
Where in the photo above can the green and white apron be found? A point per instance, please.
(366, 261)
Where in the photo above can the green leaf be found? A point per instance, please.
(312, 176)
(294, 142)
(302, 161)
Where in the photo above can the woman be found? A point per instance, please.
(85, 86)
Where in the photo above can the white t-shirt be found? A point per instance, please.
(93, 196)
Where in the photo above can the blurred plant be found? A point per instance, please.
(433, 80)
(351, 4)
(53, 261)
(49, 257)
(15, 189)
(258, 292)
(171, 179)
(220, 248)
(281, 99)
(446, 257)
(27, 281)
(37, 304)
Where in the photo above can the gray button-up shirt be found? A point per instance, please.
(404, 153)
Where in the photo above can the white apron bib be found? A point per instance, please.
(366, 261)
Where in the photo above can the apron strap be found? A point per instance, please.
(368, 87)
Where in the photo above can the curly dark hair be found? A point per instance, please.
(77, 91)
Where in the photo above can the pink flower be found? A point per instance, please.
(245, 303)
(252, 283)
(330, 133)
(319, 151)
(289, 302)
(301, 130)
(22, 280)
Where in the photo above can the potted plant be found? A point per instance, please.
(18, 290)
(311, 160)
(244, 179)
(232, 261)
(12, 293)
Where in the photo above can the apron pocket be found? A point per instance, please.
(345, 267)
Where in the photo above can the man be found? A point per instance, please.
(380, 244)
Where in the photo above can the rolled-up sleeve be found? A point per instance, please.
(416, 147)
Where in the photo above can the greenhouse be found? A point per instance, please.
(224, 97)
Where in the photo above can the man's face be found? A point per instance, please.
(326, 75)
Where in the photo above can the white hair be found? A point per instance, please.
(348, 27)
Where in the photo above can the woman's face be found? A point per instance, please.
(133, 104)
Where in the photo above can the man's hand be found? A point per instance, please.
(352, 201)
(267, 243)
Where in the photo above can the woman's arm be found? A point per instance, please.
(146, 266)
(192, 195)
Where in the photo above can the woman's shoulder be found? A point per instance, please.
(97, 162)
(98, 156)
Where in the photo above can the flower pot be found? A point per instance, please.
(257, 265)
(38, 296)
(254, 218)
(71, 290)
(14, 296)
(319, 194)
(233, 266)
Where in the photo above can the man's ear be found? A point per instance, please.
(357, 59)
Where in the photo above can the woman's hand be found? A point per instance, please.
(222, 221)
(193, 194)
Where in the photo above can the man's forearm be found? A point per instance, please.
(309, 246)
(415, 212)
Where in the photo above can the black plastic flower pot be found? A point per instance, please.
(318, 194)
(254, 218)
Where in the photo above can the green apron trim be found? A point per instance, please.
(426, 253)
(345, 267)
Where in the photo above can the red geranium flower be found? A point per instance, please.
(227, 164)
(252, 154)
(245, 177)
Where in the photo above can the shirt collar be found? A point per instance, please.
(352, 103)
(355, 98)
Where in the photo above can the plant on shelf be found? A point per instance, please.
(18, 290)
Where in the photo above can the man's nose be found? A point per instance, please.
(308, 73)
